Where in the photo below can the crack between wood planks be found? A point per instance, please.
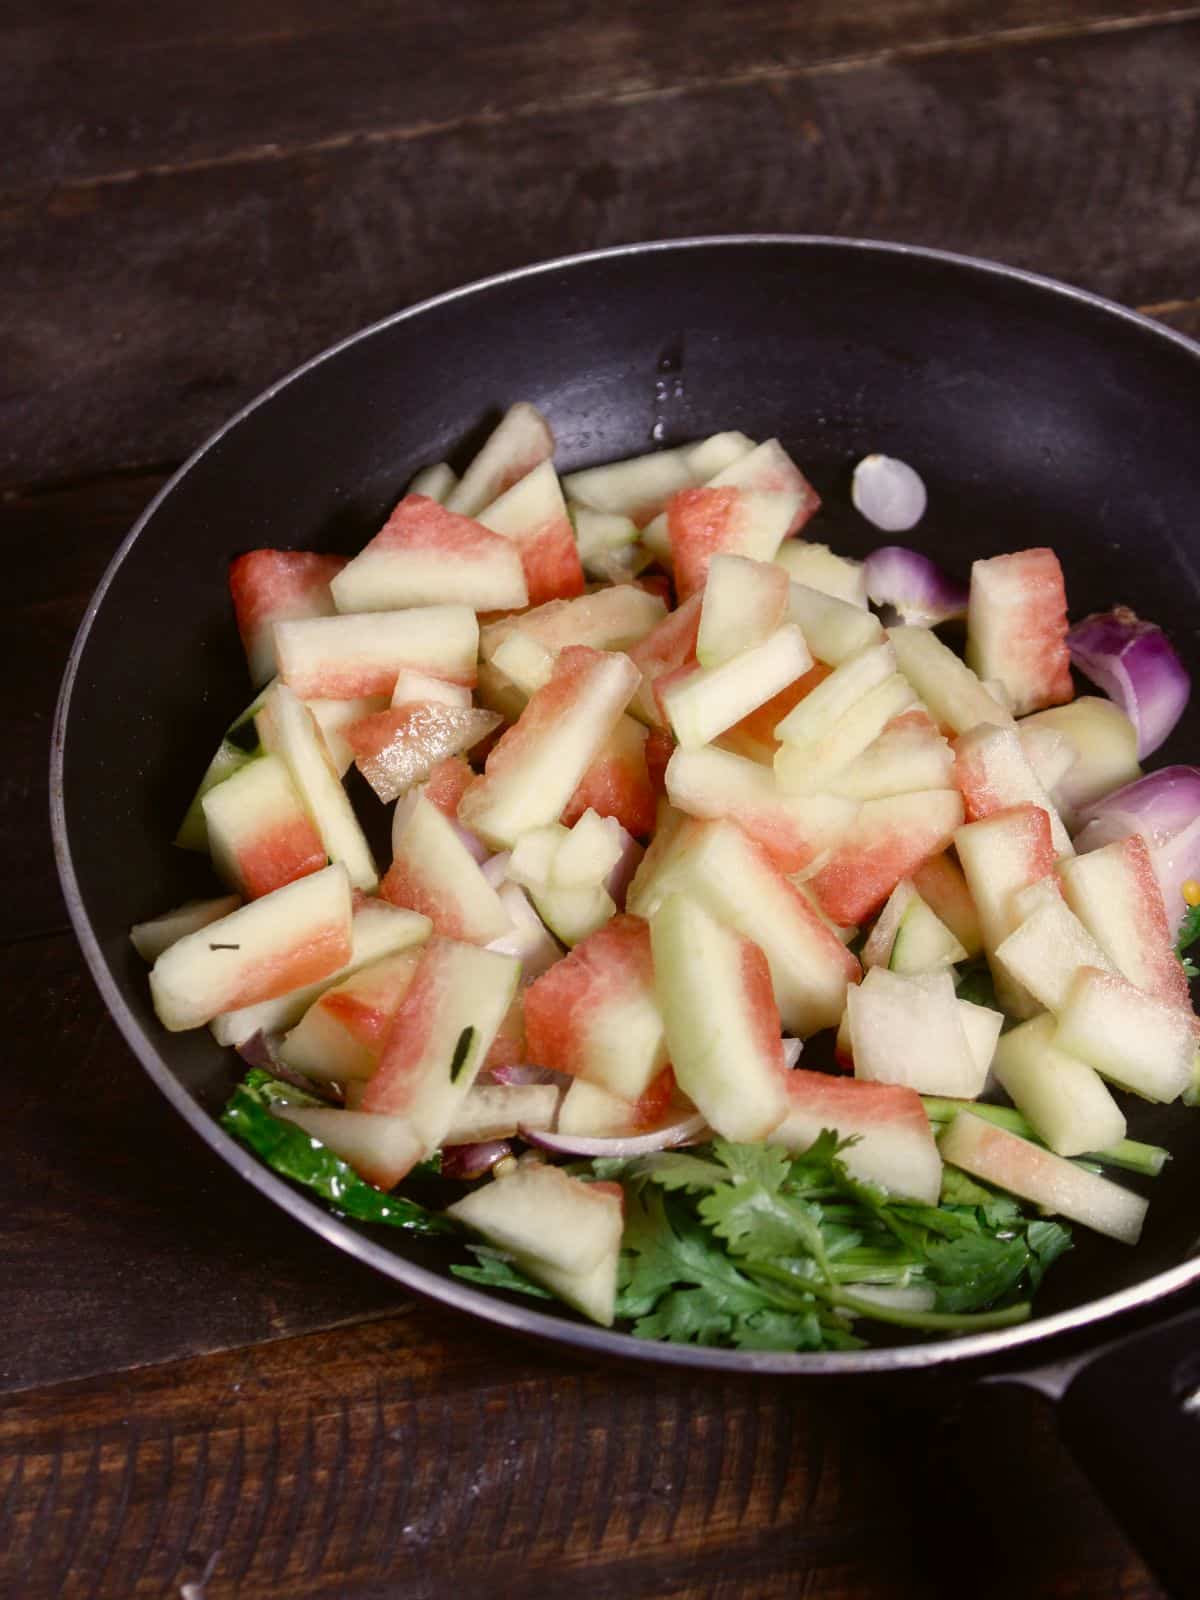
(269, 151)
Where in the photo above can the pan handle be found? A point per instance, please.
(1130, 1414)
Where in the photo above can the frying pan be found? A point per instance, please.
(1036, 414)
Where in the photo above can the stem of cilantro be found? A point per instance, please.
(931, 1321)
(865, 1272)
(934, 1321)
(1129, 1154)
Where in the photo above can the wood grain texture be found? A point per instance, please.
(227, 83)
(413, 1458)
(123, 1240)
(1076, 156)
(194, 199)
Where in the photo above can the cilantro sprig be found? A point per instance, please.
(745, 1246)
(754, 1247)
(1189, 933)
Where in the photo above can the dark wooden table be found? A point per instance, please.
(200, 1400)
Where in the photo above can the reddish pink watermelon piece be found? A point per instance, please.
(666, 681)
(419, 523)
(398, 1075)
(670, 645)
(889, 841)
(280, 854)
(1164, 974)
(366, 1021)
(550, 559)
(652, 1108)
(398, 748)
(306, 962)
(700, 524)
(659, 748)
(754, 736)
(609, 969)
(1017, 628)
(856, 1100)
(448, 780)
(617, 784)
(760, 1004)
(270, 586)
(894, 1144)
(573, 669)
(427, 555)
(414, 885)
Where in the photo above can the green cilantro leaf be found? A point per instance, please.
(495, 1270)
(668, 1249)
(975, 1270)
(1189, 931)
(1047, 1241)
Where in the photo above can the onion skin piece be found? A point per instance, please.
(1136, 665)
(688, 1130)
(916, 589)
(1164, 807)
(1161, 804)
(889, 493)
(524, 1072)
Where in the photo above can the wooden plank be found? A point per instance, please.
(90, 100)
(411, 1459)
(123, 1240)
(1076, 157)
(1182, 315)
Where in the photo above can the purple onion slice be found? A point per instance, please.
(686, 1131)
(888, 493)
(1136, 665)
(912, 586)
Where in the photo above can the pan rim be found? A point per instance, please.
(584, 1338)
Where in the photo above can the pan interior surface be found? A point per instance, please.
(1035, 416)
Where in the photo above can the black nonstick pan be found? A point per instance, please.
(1036, 415)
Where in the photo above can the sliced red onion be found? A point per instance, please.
(495, 868)
(912, 586)
(791, 1052)
(1175, 863)
(888, 493)
(259, 1051)
(472, 841)
(1164, 807)
(524, 1072)
(528, 937)
(1136, 665)
(1162, 803)
(621, 876)
(462, 1161)
(262, 1050)
(688, 1130)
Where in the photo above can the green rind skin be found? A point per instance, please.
(231, 756)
